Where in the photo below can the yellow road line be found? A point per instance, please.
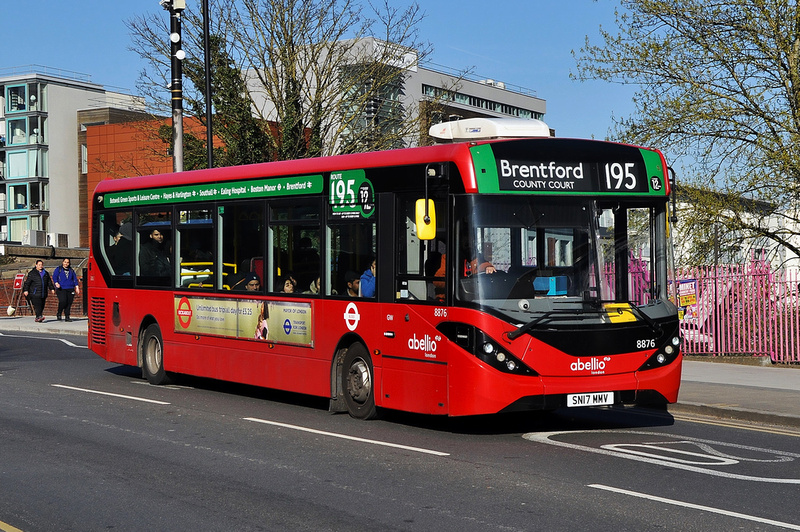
(738, 425)
(5, 527)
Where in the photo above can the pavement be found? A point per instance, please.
(754, 392)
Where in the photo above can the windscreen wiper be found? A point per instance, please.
(654, 326)
(574, 314)
(579, 314)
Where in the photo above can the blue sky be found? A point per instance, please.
(521, 42)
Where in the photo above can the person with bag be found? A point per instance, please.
(37, 284)
(67, 285)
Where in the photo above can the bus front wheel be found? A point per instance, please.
(358, 383)
(153, 355)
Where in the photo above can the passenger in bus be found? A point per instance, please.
(367, 282)
(262, 327)
(120, 253)
(251, 283)
(352, 281)
(289, 285)
(313, 288)
(154, 256)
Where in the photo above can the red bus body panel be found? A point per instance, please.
(417, 369)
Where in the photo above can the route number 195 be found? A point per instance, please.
(619, 175)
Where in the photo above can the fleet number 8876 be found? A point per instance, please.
(646, 343)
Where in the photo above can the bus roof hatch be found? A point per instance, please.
(488, 128)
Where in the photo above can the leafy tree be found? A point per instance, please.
(245, 138)
(719, 87)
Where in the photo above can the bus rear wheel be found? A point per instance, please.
(358, 383)
(153, 355)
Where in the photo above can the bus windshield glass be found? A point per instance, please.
(534, 254)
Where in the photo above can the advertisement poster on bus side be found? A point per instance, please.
(283, 322)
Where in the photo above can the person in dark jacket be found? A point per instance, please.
(35, 288)
(154, 256)
(67, 285)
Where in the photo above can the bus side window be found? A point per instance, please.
(242, 251)
(352, 249)
(155, 262)
(295, 243)
(117, 236)
(421, 263)
(195, 241)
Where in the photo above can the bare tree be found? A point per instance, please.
(313, 68)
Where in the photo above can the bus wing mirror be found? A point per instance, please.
(426, 220)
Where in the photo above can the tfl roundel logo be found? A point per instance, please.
(351, 316)
(184, 312)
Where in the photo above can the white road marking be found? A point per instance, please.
(73, 345)
(346, 437)
(693, 506)
(779, 456)
(142, 399)
(45, 338)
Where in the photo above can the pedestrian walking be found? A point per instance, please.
(67, 285)
(36, 287)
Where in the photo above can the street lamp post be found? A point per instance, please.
(175, 8)
(207, 66)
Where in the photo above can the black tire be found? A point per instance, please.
(152, 350)
(358, 383)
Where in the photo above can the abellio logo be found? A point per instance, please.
(594, 364)
(425, 343)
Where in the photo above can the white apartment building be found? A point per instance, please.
(40, 159)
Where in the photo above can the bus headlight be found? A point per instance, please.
(480, 345)
(666, 353)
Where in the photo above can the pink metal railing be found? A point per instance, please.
(749, 309)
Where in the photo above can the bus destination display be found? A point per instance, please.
(556, 176)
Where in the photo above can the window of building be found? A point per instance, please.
(18, 197)
(17, 228)
(479, 103)
(17, 132)
(27, 163)
(37, 129)
(16, 99)
(37, 97)
(17, 164)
